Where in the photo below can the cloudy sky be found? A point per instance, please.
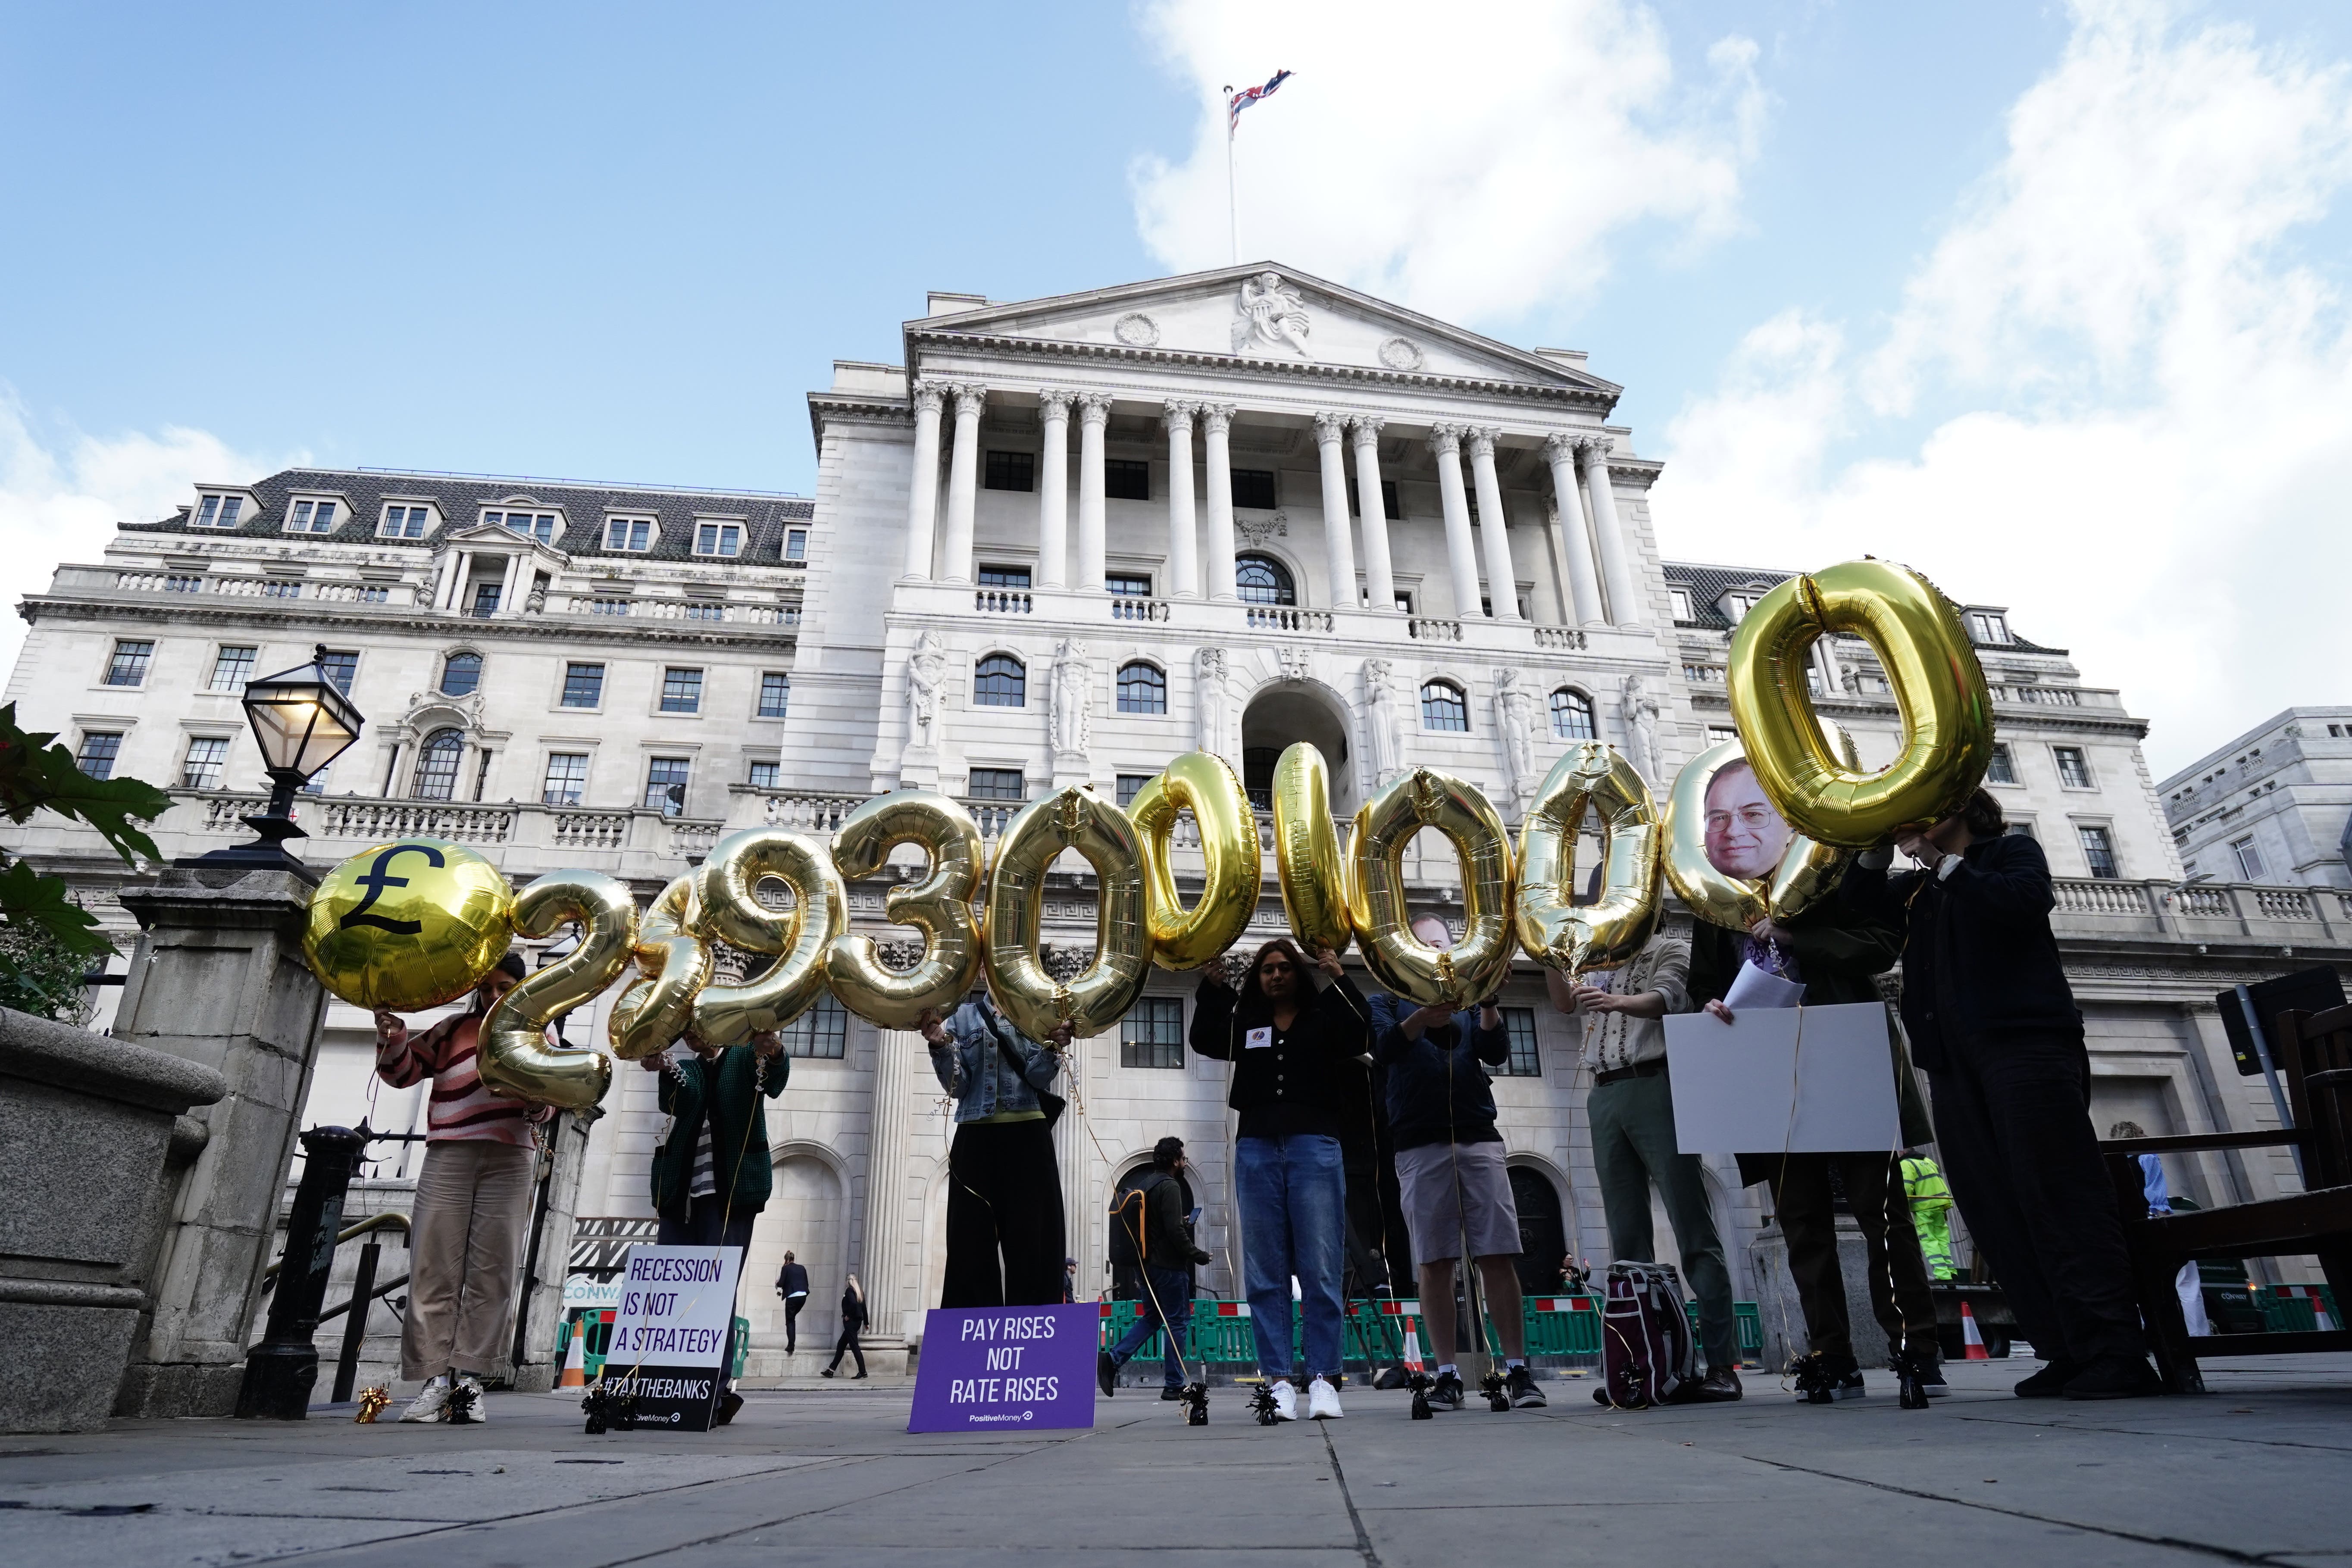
(2048, 301)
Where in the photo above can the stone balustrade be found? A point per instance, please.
(1285, 618)
(1565, 638)
(1126, 607)
(1001, 602)
(1425, 629)
(533, 838)
(682, 610)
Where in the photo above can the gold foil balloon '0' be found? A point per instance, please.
(672, 965)
(800, 937)
(1603, 935)
(1072, 818)
(1938, 682)
(1807, 872)
(1308, 861)
(940, 906)
(407, 925)
(1182, 938)
(1474, 967)
(512, 1054)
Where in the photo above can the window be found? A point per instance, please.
(775, 694)
(538, 525)
(1442, 707)
(629, 533)
(1258, 764)
(1130, 785)
(461, 673)
(1986, 626)
(1005, 576)
(1000, 681)
(567, 778)
(1572, 715)
(1124, 478)
(822, 1032)
(219, 512)
(1389, 504)
(178, 584)
(1680, 598)
(232, 668)
(279, 588)
(2250, 861)
(1128, 585)
(1253, 487)
(1153, 1034)
(1736, 605)
(486, 599)
(1142, 688)
(436, 765)
(608, 606)
(129, 665)
(202, 768)
(374, 594)
(97, 755)
(997, 784)
(312, 517)
(1011, 472)
(681, 691)
(797, 544)
(2025, 829)
(703, 610)
(338, 666)
(2073, 770)
(666, 785)
(1263, 580)
(2098, 851)
(1716, 734)
(2002, 769)
(767, 775)
(584, 685)
(718, 539)
(404, 522)
(1525, 1061)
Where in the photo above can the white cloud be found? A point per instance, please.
(1468, 165)
(2140, 401)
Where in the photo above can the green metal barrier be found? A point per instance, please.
(2295, 1309)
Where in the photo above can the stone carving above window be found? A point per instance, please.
(1137, 331)
(1258, 529)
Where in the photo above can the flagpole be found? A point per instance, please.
(1232, 209)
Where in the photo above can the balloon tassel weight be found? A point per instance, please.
(1911, 1392)
(460, 1408)
(1261, 1405)
(1421, 1382)
(1195, 1400)
(1498, 1398)
(609, 1409)
(372, 1404)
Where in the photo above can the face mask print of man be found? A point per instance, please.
(1746, 835)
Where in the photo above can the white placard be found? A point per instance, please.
(1733, 1081)
(1754, 987)
(669, 1333)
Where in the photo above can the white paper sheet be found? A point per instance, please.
(1754, 987)
(1733, 1081)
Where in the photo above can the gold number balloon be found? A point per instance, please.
(1182, 938)
(514, 1055)
(1074, 819)
(1308, 861)
(1938, 682)
(1603, 935)
(940, 906)
(672, 965)
(727, 1015)
(407, 925)
(1806, 872)
(1474, 967)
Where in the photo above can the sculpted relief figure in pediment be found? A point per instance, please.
(1270, 316)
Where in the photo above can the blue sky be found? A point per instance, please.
(1851, 262)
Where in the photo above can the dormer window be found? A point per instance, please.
(405, 521)
(538, 525)
(219, 512)
(313, 516)
(797, 544)
(721, 539)
(1736, 605)
(631, 533)
(1682, 603)
(1988, 626)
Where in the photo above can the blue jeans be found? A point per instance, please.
(1171, 1292)
(1293, 1205)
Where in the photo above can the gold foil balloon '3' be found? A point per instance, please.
(1182, 938)
(1074, 819)
(1308, 861)
(1603, 935)
(1474, 967)
(672, 965)
(728, 1014)
(1805, 873)
(407, 925)
(513, 1056)
(940, 906)
(1938, 682)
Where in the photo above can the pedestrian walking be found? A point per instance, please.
(792, 1285)
(853, 1319)
(1005, 1230)
(1149, 1224)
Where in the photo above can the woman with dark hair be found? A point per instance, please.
(1993, 1022)
(1289, 1046)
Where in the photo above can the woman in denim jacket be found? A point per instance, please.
(1005, 1188)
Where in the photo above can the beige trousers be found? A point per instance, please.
(465, 1251)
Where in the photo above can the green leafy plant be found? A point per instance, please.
(38, 774)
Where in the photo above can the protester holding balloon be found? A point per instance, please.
(1005, 1224)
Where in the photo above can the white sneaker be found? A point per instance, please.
(430, 1402)
(1286, 1400)
(477, 1412)
(1322, 1401)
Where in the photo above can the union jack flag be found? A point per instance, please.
(1247, 96)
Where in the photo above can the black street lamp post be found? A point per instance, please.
(302, 721)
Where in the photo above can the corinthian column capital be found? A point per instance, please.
(1052, 404)
(1482, 440)
(972, 398)
(1593, 449)
(926, 396)
(1216, 418)
(1180, 415)
(1560, 447)
(1445, 440)
(1329, 428)
(1094, 408)
(1365, 428)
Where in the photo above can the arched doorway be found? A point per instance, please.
(1280, 717)
(1543, 1234)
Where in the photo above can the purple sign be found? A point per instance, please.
(988, 1368)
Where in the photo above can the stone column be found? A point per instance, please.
(1217, 563)
(1502, 581)
(218, 979)
(1580, 594)
(1461, 558)
(1371, 507)
(1616, 573)
(964, 481)
(1184, 528)
(1340, 557)
(453, 581)
(510, 587)
(444, 576)
(1054, 490)
(923, 487)
(1094, 413)
(892, 1285)
(1825, 659)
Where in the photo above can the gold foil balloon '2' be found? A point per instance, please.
(731, 912)
(1939, 684)
(1474, 967)
(1308, 862)
(1182, 938)
(672, 965)
(1603, 935)
(407, 925)
(1074, 819)
(940, 906)
(514, 1055)
(1807, 872)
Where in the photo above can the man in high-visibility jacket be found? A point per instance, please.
(1931, 1214)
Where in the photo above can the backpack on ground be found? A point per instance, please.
(1129, 1221)
(1648, 1356)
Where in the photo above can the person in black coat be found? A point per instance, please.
(1993, 1021)
(791, 1284)
(853, 1319)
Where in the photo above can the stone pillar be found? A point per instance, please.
(923, 487)
(1825, 659)
(1461, 557)
(218, 979)
(510, 588)
(1502, 581)
(445, 575)
(1580, 594)
(1340, 557)
(1371, 507)
(556, 1215)
(1616, 572)
(893, 1286)
(1217, 564)
(1094, 413)
(453, 581)
(1054, 490)
(1184, 528)
(964, 482)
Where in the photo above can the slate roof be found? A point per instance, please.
(1707, 584)
(460, 498)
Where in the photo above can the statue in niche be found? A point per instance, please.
(1640, 710)
(1209, 697)
(1384, 722)
(926, 669)
(1514, 724)
(1072, 683)
(1271, 316)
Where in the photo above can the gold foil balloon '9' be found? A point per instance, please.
(1074, 819)
(673, 966)
(1603, 935)
(728, 1014)
(1308, 861)
(513, 1056)
(407, 925)
(940, 906)
(1938, 682)
(1182, 938)
(1807, 872)
(1474, 967)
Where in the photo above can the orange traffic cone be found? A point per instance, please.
(1969, 1337)
(576, 1360)
(1412, 1346)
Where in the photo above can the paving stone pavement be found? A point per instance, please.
(2258, 1472)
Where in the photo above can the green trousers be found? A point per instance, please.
(1634, 1149)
